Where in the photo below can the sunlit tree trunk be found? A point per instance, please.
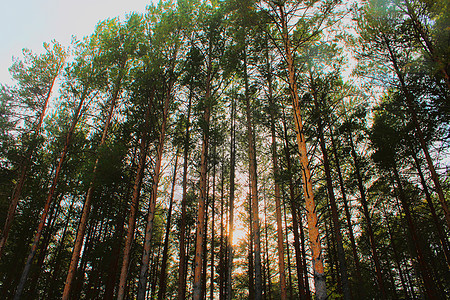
(256, 236)
(229, 260)
(313, 228)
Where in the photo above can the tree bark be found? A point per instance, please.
(313, 228)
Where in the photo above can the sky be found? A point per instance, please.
(30, 23)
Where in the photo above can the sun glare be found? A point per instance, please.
(239, 235)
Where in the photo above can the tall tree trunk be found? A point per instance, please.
(305, 266)
(205, 241)
(396, 256)
(281, 266)
(268, 290)
(24, 168)
(254, 187)
(182, 266)
(291, 295)
(154, 194)
(436, 221)
(229, 252)
(347, 212)
(222, 260)
(51, 192)
(213, 210)
(373, 247)
(334, 209)
(411, 106)
(197, 293)
(428, 46)
(251, 265)
(313, 228)
(163, 276)
(87, 204)
(430, 288)
(134, 205)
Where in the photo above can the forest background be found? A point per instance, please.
(232, 150)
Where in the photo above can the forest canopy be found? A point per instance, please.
(232, 149)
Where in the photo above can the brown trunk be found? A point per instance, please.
(182, 266)
(48, 202)
(213, 203)
(229, 252)
(420, 136)
(430, 288)
(428, 47)
(154, 194)
(205, 241)
(332, 198)
(268, 289)
(291, 295)
(197, 293)
(254, 187)
(313, 228)
(436, 221)
(396, 256)
(251, 270)
(162, 278)
(305, 266)
(134, 202)
(347, 212)
(222, 260)
(87, 204)
(24, 168)
(368, 219)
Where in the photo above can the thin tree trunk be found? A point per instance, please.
(251, 265)
(430, 288)
(332, 198)
(51, 192)
(420, 135)
(87, 204)
(313, 228)
(254, 187)
(205, 241)
(212, 228)
(347, 212)
(229, 260)
(24, 168)
(222, 260)
(291, 296)
(163, 277)
(396, 256)
(436, 221)
(143, 147)
(366, 213)
(305, 266)
(281, 265)
(154, 194)
(182, 266)
(197, 292)
(267, 263)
